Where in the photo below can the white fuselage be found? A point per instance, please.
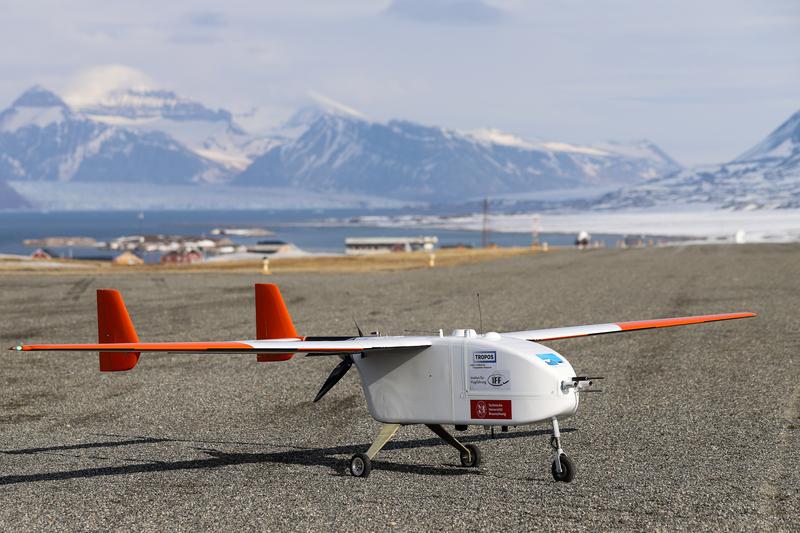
(468, 379)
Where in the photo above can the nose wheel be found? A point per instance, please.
(563, 469)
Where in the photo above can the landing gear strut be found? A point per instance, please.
(562, 468)
(361, 463)
(470, 454)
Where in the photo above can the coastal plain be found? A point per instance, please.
(696, 427)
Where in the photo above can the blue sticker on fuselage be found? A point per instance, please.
(550, 358)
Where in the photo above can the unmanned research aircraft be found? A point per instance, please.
(461, 379)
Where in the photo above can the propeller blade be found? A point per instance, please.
(334, 377)
(360, 333)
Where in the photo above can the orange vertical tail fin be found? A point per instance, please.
(272, 320)
(114, 325)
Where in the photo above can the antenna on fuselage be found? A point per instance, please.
(480, 315)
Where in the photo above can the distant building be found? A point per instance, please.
(633, 241)
(41, 253)
(271, 247)
(185, 257)
(382, 245)
(61, 242)
(582, 240)
(169, 243)
(127, 259)
(242, 232)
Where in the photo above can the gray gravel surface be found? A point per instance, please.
(697, 427)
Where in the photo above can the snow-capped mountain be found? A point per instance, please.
(781, 147)
(43, 139)
(340, 151)
(141, 135)
(766, 176)
(212, 134)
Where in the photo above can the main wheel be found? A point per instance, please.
(473, 458)
(567, 469)
(360, 465)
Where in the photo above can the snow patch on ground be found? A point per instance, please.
(250, 256)
(716, 225)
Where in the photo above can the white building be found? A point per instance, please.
(271, 247)
(382, 245)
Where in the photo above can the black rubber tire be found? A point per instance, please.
(360, 465)
(567, 469)
(474, 458)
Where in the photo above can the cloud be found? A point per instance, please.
(711, 76)
(105, 32)
(207, 19)
(194, 38)
(92, 84)
(200, 28)
(446, 11)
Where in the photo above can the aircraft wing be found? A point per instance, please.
(312, 347)
(617, 327)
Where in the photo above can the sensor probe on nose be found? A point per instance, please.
(580, 384)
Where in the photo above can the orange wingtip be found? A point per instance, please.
(680, 321)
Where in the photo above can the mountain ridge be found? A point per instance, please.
(405, 159)
(767, 176)
(41, 138)
(157, 136)
(212, 134)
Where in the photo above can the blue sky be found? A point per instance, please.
(703, 79)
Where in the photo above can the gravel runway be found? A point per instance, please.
(697, 427)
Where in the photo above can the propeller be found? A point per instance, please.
(336, 374)
(339, 371)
